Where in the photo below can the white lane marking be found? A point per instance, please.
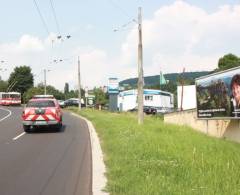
(15, 138)
(10, 113)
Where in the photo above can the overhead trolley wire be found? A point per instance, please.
(55, 17)
(41, 16)
(124, 12)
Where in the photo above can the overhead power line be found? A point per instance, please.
(55, 17)
(124, 12)
(124, 26)
(41, 16)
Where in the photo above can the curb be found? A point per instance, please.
(99, 179)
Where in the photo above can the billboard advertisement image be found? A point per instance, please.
(218, 95)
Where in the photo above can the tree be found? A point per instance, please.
(74, 94)
(228, 61)
(31, 92)
(100, 96)
(40, 90)
(66, 88)
(3, 85)
(71, 94)
(55, 92)
(21, 79)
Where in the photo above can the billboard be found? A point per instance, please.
(218, 95)
(113, 86)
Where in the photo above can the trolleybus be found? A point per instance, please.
(10, 98)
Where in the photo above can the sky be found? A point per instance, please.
(176, 34)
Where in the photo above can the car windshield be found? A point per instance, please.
(41, 104)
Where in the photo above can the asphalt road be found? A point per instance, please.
(44, 162)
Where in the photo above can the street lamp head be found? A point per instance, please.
(57, 60)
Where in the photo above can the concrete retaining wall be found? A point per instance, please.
(218, 128)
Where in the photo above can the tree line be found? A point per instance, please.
(22, 80)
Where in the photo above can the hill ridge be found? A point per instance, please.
(173, 77)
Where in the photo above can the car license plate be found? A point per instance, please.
(41, 123)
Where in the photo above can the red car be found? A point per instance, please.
(42, 113)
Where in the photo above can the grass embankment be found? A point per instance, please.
(159, 158)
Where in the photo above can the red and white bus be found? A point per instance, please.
(10, 98)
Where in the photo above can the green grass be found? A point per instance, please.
(159, 158)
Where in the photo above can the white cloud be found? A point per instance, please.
(27, 43)
(28, 50)
(182, 35)
(93, 64)
(38, 54)
(178, 35)
(30, 43)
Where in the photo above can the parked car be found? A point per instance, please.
(163, 110)
(42, 113)
(73, 102)
(149, 110)
(61, 103)
(153, 110)
(146, 110)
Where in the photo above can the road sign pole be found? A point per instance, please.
(79, 85)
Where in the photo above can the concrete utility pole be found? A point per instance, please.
(140, 69)
(79, 86)
(45, 81)
(182, 83)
